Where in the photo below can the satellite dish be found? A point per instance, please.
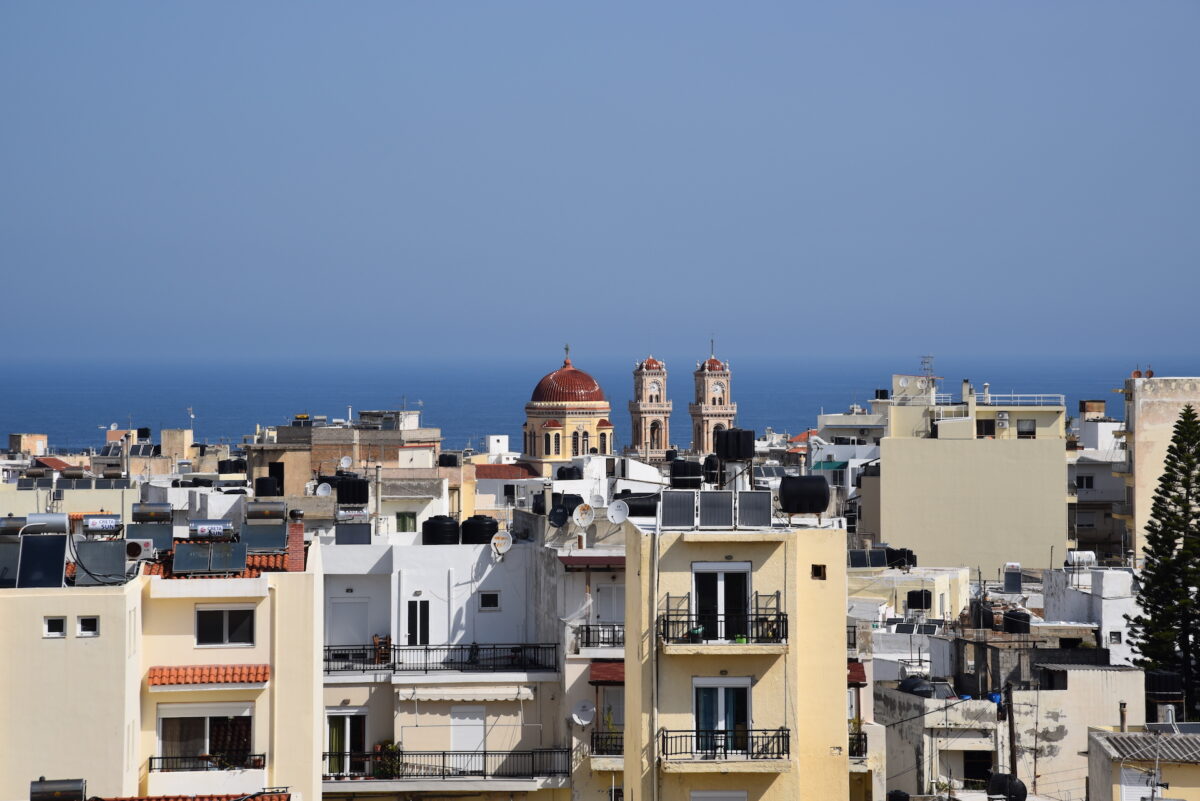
(558, 516)
(324, 490)
(618, 512)
(584, 515)
(346, 463)
(597, 500)
(112, 426)
(583, 713)
(502, 542)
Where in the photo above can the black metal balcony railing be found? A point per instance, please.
(858, 744)
(727, 744)
(747, 627)
(602, 635)
(608, 743)
(400, 765)
(238, 760)
(475, 657)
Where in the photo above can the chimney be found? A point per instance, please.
(1123, 726)
(294, 561)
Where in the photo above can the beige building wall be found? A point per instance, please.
(22, 503)
(950, 588)
(32, 444)
(176, 443)
(976, 503)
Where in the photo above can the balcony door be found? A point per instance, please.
(467, 732)
(721, 599)
(722, 713)
(347, 623)
(346, 743)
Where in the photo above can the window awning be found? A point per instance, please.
(498, 692)
(600, 673)
(829, 465)
(856, 674)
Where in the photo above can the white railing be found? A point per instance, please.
(951, 412)
(924, 399)
(997, 399)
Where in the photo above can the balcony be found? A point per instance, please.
(226, 773)
(757, 632)
(722, 750)
(401, 766)
(608, 743)
(601, 635)
(858, 744)
(472, 658)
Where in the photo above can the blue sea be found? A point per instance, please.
(470, 399)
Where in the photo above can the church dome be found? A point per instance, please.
(651, 363)
(713, 365)
(567, 384)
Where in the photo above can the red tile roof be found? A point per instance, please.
(604, 424)
(161, 675)
(714, 365)
(856, 674)
(606, 673)
(504, 471)
(53, 463)
(256, 565)
(565, 385)
(650, 363)
(552, 424)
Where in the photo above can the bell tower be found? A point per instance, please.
(650, 411)
(712, 410)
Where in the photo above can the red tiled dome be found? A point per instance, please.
(651, 363)
(713, 365)
(567, 384)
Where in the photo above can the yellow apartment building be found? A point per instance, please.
(976, 481)
(171, 683)
(735, 677)
(1126, 764)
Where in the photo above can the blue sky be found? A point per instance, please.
(467, 181)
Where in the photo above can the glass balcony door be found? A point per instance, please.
(722, 601)
(722, 718)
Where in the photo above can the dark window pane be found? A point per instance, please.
(241, 626)
(210, 627)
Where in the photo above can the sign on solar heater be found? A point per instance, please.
(754, 509)
(716, 509)
(99, 562)
(678, 508)
(42, 561)
(192, 557)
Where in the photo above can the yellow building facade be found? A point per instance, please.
(735, 670)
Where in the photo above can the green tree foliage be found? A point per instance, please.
(1166, 635)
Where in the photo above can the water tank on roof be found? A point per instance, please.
(734, 444)
(266, 510)
(570, 501)
(267, 487)
(447, 460)
(640, 504)
(920, 599)
(1012, 577)
(539, 502)
(712, 470)
(671, 455)
(915, 685)
(881, 394)
(569, 472)
(803, 495)
(58, 790)
(1016, 622)
(897, 795)
(1006, 786)
(353, 492)
(11, 525)
(151, 513)
(73, 472)
(113, 472)
(479, 529)
(439, 530)
(686, 475)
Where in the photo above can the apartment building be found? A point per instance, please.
(978, 480)
(1157, 761)
(734, 681)
(187, 670)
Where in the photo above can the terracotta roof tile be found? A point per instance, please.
(53, 463)
(856, 673)
(565, 385)
(256, 565)
(552, 424)
(161, 675)
(504, 471)
(605, 424)
(606, 673)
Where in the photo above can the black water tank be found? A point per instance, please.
(267, 487)
(734, 444)
(981, 615)
(143, 434)
(353, 492)
(920, 599)
(539, 501)
(1016, 622)
(439, 530)
(569, 472)
(686, 475)
(447, 460)
(915, 685)
(712, 470)
(479, 529)
(897, 795)
(881, 394)
(1006, 786)
(671, 455)
(237, 465)
(640, 504)
(570, 501)
(803, 495)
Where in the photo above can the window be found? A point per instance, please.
(418, 622)
(54, 627)
(1114, 638)
(604, 443)
(721, 707)
(204, 737)
(489, 601)
(818, 572)
(88, 626)
(406, 521)
(546, 445)
(837, 478)
(1085, 482)
(985, 429)
(1027, 429)
(225, 626)
(346, 743)
(722, 599)
(587, 442)
(575, 444)
(557, 440)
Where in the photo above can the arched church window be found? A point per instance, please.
(604, 443)
(575, 444)
(587, 442)
(546, 445)
(557, 444)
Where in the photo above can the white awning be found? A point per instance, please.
(499, 692)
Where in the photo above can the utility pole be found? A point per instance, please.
(1012, 729)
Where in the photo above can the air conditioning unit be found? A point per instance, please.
(139, 550)
(1001, 423)
(1001, 415)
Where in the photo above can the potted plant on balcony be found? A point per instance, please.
(696, 635)
(386, 759)
(256, 761)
